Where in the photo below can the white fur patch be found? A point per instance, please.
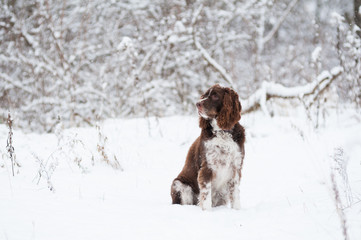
(203, 115)
(215, 125)
(186, 192)
(203, 99)
(224, 158)
(205, 197)
(236, 203)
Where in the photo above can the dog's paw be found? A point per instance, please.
(206, 207)
(236, 205)
(206, 204)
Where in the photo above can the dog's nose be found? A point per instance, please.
(198, 104)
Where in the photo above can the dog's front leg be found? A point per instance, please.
(205, 187)
(234, 191)
(234, 195)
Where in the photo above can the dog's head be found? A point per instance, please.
(219, 103)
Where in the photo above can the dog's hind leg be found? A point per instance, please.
(182, 193)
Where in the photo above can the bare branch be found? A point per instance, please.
(280, 21)
(12, 82)
(211, 61)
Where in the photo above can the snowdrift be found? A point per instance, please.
(113, 182)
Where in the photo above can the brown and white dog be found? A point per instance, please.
(212, 171)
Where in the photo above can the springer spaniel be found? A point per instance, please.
(212, 171)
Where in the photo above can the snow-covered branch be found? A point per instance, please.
(276, 90)
(273, 31)
(87, 61)
(211, 61)
(14, 83)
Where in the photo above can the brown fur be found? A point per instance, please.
(222, 104)
(231, 110)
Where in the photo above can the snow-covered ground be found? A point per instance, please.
(286, 190)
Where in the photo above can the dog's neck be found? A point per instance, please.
(216, 129)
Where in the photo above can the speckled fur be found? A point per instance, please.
(212, 171)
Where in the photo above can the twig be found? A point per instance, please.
(273, 31)
(211, 61)
(15, 84)
(102, 140)
(338, 206)
(9, 143)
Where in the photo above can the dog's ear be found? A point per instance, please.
(230, 113)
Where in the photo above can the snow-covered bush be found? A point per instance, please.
(70, 150)
(86, 61)
(348, 48)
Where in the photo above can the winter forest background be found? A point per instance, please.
(83, 61)
(97, 113)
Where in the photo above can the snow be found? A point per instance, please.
(315, 56)
(285, 187)
(179, 27)
(336, 18)
(336, 70)
(212, 62)
(59, 46)
(125, 44)
(277, 89)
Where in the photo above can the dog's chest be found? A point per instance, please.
(223, 156)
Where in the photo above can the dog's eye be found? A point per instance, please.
(215, 97)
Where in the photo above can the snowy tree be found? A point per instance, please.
(357, 15)
(90, 60)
